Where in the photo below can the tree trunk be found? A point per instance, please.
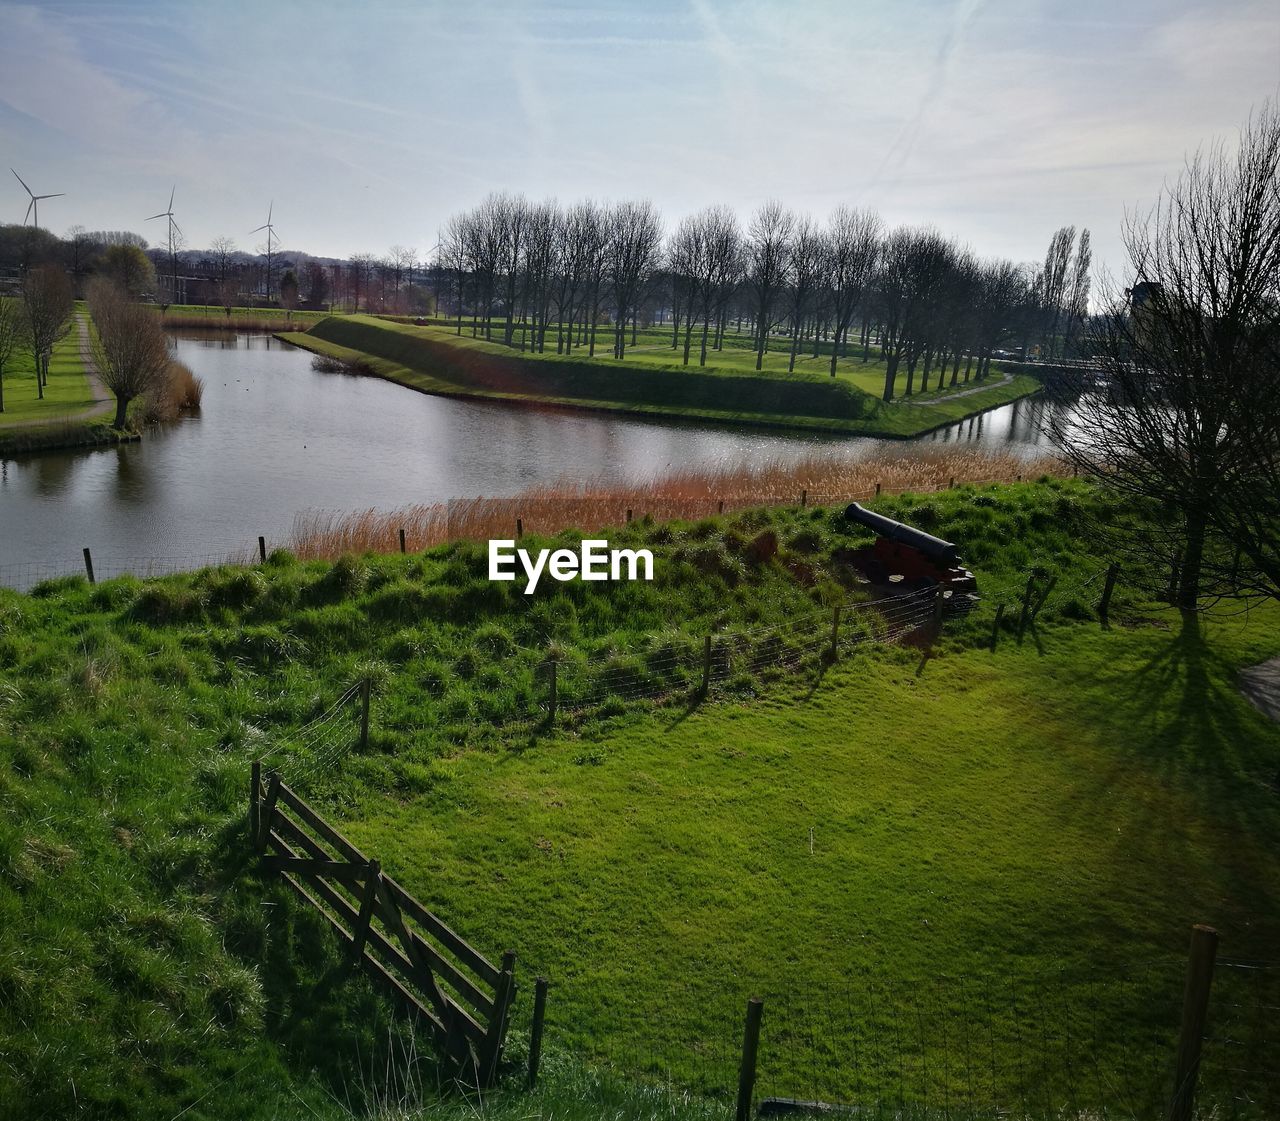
(890, 376)
(122, 407)
(1188, 591)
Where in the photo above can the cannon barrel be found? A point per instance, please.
(932, 547)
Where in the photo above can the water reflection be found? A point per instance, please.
(275, 438)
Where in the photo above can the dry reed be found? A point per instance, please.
(181, 392)
(694, 493)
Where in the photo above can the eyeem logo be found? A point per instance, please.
(594, 561)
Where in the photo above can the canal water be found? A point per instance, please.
(275, 438)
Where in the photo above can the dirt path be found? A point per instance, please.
(965, 392)
(104, 401)
(1261, 686)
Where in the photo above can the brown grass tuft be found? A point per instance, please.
(181, 391)
(549, 508)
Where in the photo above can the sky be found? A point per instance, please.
(367, 125)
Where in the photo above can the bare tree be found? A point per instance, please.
(10, 336)
(632, 253)
(805, 275)
(852, 250)
(705, 257)
(1190, 432)
(1076, 310)
(48, 302)
(129, 346)
(768, 260)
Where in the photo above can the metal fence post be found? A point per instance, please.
(747, 1069)
(1195, 1010)
(706, 665)
(835, 632)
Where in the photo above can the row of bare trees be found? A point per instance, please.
(930, 304)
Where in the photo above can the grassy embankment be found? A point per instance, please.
(1076, 799)
(30, 423)
(434, 360)
(215, 317)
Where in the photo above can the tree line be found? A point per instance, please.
(562, 273)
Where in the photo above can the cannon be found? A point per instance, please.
(905, 555)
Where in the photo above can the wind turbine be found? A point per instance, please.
(34, 205)
(271, 233)
(173, 255)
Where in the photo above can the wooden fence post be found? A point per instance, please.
(88, 564)
(706, 665)
(877, 490)
(1026, 604)
(835, 632)
(504, 993)
(364, 714)
(1195, 1010)
(268, 810)
(995, 627)
(262, 549)
(402, 543)
(519, 527)
(747, 1069)
(721, 507)
(804, 498)
(368, 900)
(1104, 608)
(628, 515)
(535, 1032)
(255, 800)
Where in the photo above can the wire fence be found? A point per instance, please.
(470, 519)
(1083, 1045)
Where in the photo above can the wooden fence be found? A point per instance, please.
(463, 999)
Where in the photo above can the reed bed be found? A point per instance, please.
(688, 494)
(181, 392)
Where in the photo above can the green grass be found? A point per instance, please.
(435, 360)
(1074, 802)
(217, 314)
(67, 391)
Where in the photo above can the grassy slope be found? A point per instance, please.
(434, 360)
(67, 391)
(1074, 808)
(128, 714)
(217, 315)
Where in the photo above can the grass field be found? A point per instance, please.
(435, 360)
(1073, 803)
(214, 315)
(66, 392)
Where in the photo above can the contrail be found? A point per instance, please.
(900, 150)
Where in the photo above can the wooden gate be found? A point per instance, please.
(463, 998)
